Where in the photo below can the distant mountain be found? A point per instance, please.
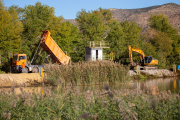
(141, 15)
(73, 21)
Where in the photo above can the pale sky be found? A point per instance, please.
(69, 8)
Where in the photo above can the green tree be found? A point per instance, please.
(159, 44)
(132, 32)
(162, 43)
(10, 32)
(68, 38)
(146, 46)
(93, 24)
(132, 36)
(116, 39)
(161, 23)
(35, 19)
(120, 35)
(41, 17)
(19, 11)
(105, 14)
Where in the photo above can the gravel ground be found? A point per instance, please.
(158, 72)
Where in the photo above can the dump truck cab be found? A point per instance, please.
(20, 64)
(19, 61)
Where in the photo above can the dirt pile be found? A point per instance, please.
(158, 73)
(20, 79)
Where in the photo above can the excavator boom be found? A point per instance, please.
(137, 50)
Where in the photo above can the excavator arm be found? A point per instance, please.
(137, 50)
(130, 53)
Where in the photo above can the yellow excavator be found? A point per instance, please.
(147, 62)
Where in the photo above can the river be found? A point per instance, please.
(162, 84)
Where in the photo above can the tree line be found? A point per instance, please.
(21, 29)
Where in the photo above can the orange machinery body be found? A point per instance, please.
(145, 60)
(50, 46)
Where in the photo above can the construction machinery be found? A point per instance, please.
(147, 62)
(19, 61)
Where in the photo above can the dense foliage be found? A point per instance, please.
(21, 29)
(10, 34)
(93, 25)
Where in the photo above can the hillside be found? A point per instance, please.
(141, 15)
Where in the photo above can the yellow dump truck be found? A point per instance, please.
(19, 61)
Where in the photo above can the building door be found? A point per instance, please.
(96, 54)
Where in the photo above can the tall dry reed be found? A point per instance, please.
(69, 103)
(90, 72)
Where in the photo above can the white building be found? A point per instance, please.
(95, 50)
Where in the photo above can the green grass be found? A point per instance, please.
(140, 76)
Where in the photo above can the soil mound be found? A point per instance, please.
(20, 79)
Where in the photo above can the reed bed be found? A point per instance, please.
(72, 104)
(89, 72)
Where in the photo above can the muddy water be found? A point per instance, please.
(162, 84)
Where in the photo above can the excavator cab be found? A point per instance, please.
(148, 60)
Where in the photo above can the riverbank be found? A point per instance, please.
(83, 73)
(20, 79)
(159, 73)
(71, 103)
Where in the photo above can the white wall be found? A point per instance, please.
(90, 53)
(93, 54)
(100, 52)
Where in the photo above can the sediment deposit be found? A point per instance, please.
(157, 73)
(20, 79)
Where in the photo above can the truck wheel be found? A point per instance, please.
(25, 70)
(35, 70)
